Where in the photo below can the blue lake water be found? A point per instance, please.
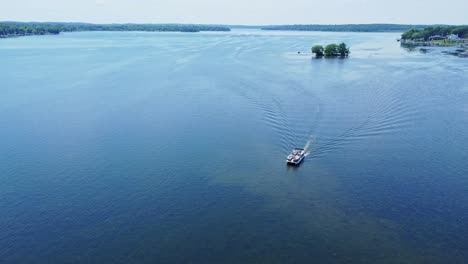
(130, 147)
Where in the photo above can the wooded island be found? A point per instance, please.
(331, 50)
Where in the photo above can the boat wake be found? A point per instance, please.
(307, 147)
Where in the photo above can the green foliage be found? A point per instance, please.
(461, 31)
(331, 50)
(343, 50)
(318, 50)
(21, 29)
(426, 33)
(408, 34)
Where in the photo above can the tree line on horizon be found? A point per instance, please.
(348, 27)
(37, 28)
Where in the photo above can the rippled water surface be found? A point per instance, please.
(170, 148)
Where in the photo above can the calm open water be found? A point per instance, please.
(170, 148)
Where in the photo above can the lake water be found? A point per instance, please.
(130, 147)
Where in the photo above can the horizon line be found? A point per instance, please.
(234, 25)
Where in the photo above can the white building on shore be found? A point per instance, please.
(453, 37)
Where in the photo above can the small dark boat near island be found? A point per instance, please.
(296, 157)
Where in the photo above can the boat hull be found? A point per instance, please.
(295, 163)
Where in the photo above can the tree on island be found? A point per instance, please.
(331, 50)
(318, 50)
(343, 50)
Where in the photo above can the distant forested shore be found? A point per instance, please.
(15, 29)
(349, 27)
(456, 36)
(437, 33)
(412, 32)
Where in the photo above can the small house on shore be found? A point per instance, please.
(453, 37)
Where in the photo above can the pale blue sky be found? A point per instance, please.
(239, 11)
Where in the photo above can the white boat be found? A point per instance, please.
(296, 157)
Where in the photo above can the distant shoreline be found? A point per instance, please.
(19, 29)
(347, 27)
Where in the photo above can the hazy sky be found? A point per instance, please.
(239, 11)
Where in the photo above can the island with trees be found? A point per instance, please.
(331, 50)
(16, 29)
